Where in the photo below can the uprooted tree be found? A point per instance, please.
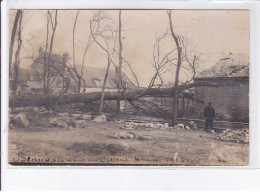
(106, 37)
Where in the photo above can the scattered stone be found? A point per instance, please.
(86, 117)
(166, 125)
(238, 136)
(80, 123)
(20, 120)
(151, 125)
(180, 125)
(191, 123)
(194, 126)
(70, 128)
(36, 109)
(100, 119)
(56, 121)
(76, 116)
(65, 115)
(123, 135)
(141, 137)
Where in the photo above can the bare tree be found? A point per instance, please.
(103, 87)
(89, 42)
(54, 26)
(119, 76)
(103, 33)
(14, 30)
(106, 37)
(45, 54)
(79, 76)
(177, 73)
(17, 55)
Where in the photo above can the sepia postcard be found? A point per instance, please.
(129, 87)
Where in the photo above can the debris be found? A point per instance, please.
(141, 137)
(76, 116)
(193, 126)
(65, 115)
(151, 125)
(36, 109)
(20, 120)
(166, 125)
(86, 117)
(238, 136)
(79, 123)
(180, 125)
(56, 121)
(123, 135)
(100, 119)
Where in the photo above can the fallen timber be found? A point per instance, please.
(44, 100)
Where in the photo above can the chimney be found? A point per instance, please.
(65, 59)
(41, 54)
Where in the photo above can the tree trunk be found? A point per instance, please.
(17, 16)
(79, 84)
(104, 87)
(176, 84)
(17, 56)
(42, 100)
(73, 46)
(45, 55)
(50, 52)
(119, 81)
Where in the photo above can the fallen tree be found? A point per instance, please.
(48, 100)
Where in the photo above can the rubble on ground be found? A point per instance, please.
(129, 125)
(100, 119)
(180, 125)
(58, 122)
(129, 135)
(238, 136)
(20, 120)
(81, 116)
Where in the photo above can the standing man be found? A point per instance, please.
(209, 115)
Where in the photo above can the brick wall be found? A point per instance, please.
(230, 99)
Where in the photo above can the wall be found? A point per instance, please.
(230, 99)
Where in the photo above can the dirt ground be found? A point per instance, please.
(95, 144)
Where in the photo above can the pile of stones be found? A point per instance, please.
(70, 121)
(128, 125)
(238, 136)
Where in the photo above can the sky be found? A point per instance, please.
(212, 34)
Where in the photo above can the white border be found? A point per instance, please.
(121, 177)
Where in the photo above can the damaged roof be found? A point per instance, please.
(233, 65)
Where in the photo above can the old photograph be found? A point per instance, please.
(129, 87)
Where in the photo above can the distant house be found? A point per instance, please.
(31, 80)
(231, 97)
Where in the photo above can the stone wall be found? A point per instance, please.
(230, 99)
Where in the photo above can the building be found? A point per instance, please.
(31, 80)
(230, 97)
